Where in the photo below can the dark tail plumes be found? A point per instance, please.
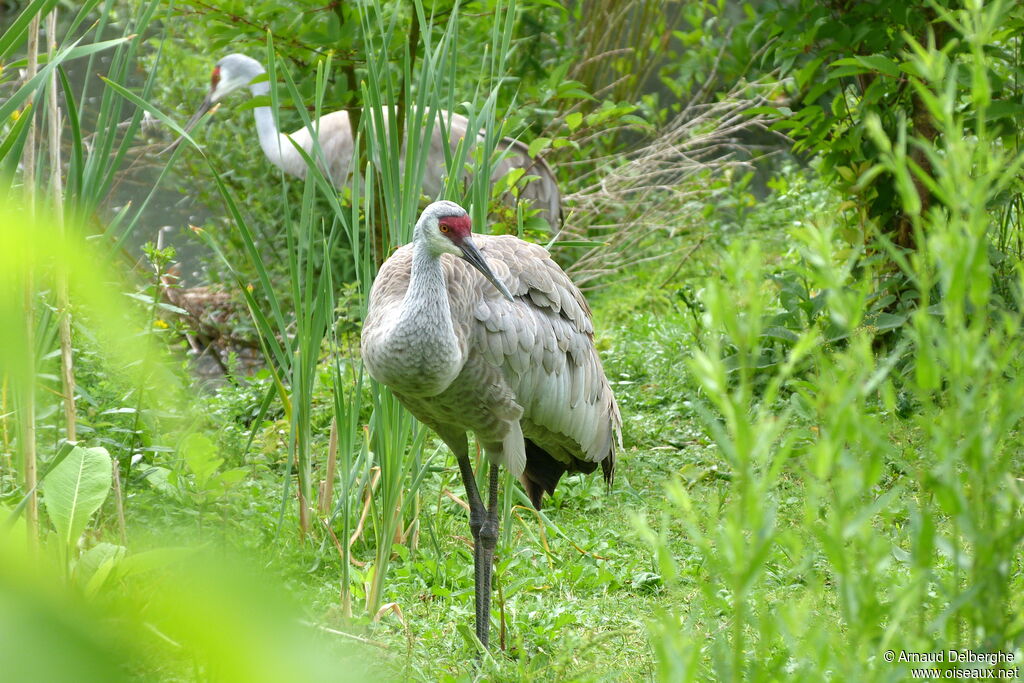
(541, 474)
(543, 471)
(608, 467)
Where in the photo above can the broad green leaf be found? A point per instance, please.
(510, 179)
(538, 145)
(93, 558)
(233, 476)
(151, 560)
(75, 489)
(95, 565)
(159, 478)
(881, 64)
(854, 65)
(201, 456)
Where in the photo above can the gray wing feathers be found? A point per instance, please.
(539, 347)
(544, 344)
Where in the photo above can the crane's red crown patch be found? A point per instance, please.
(459, 226)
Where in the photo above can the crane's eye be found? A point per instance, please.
(444, 228)
(215, 77)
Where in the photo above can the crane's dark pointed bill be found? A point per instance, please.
(203, 108)
(476, 259)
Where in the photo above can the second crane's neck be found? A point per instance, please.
(273, 144)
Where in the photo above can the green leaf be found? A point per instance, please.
(574, 120)
(151, 560)
(868, 63)
(200, 455)
(15, 132)
(781, 334)
(538, 145)
(75, 489)
(95, 565)
(882, 64)
(159, 479)
(844, 70)
(233, 476)
(14, 36)
(1000, 109)
(888, 321)
(469, 637)
(9, 105)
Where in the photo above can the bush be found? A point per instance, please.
(873, 501)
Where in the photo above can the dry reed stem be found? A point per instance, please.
(67, 364)
(28, 410)
(395, 609)
(122, 528)
(366, 506)
(457, 499)
(350, 636)
(327, 485)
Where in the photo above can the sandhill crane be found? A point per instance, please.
(236, 71)
(512, 361)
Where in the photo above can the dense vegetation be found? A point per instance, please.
(799, 227)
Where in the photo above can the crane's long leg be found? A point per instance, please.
(488, 540)
(478, 515)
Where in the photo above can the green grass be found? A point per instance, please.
(576, 604)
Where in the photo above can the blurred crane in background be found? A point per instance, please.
(337, 142)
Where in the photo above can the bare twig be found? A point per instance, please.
(639, 203)
(350, 636)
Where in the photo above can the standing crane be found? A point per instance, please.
(337, 141)
(489, 335)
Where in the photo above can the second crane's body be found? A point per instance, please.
(522, 375)
(337, 142)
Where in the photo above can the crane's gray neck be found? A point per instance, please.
(420, 354)
(427, 288)
(270, 137)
